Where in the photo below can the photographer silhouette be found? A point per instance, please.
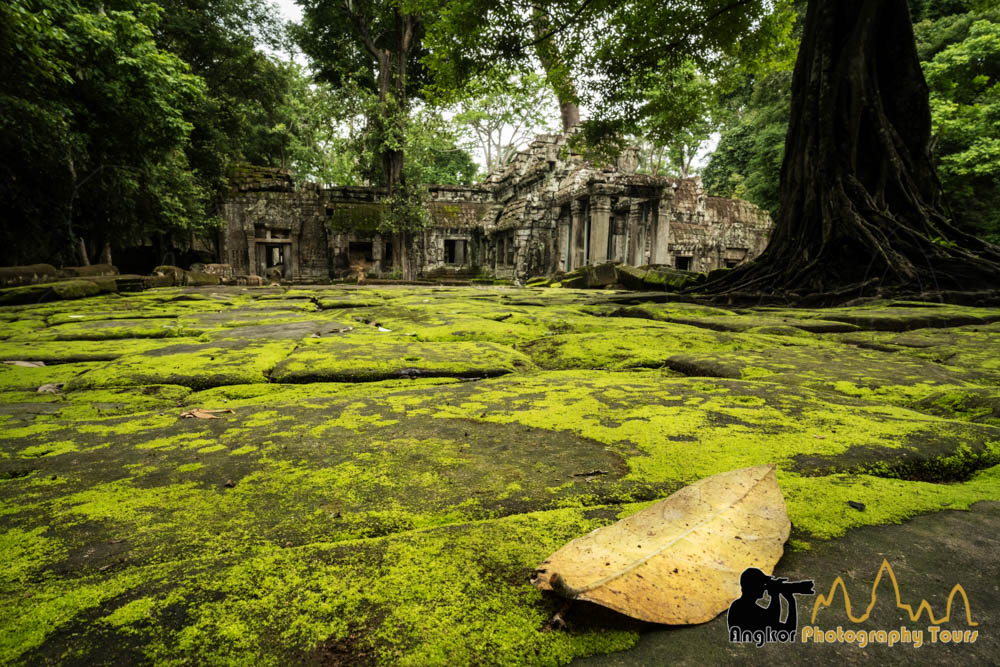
(745, 615)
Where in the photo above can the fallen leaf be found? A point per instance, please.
(678, 561)
(51, 388)
(201, 413)
(25, 364)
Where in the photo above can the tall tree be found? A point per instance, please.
(557, 69)
(377, 43)
(677, 121)
(503, 114)
(860, 199)
(93, 129)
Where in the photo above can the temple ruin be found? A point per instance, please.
(549, 211)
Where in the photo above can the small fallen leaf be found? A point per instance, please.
(51, 388)
(25, 364)
(678, 561)
(201, 413)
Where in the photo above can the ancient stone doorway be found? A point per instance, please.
(454, 251)
(273, 260)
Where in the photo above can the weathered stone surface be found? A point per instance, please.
(25, 275)
(548, 211)
(399, 520)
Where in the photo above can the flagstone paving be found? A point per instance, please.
(397, 460)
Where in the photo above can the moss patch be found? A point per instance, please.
(394, 518)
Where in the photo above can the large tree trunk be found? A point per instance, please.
(860, 199)
(556, 71)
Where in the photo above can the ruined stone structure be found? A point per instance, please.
(548, 211)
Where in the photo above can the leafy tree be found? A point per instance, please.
(246, 90)
(109, 106)
(378, 44)
(859, 196)
(964, 81)
(502, 115)
(677, 121)
(747, 161)
(435, 150)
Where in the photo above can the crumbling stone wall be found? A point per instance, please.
(549, 210)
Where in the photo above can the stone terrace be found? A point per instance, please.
(398, 460)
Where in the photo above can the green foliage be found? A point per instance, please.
(436, 154)
(501, 113)
(964, 81)
(747, 161)
(120, 119)
(95, 133)
(959, 45)
(617, 51)
(677, 120)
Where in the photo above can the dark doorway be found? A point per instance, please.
(272, 259)
(454, 251)
(682, 263)
(360, 250)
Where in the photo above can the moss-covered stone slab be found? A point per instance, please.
(374, 358)
(404, 525)
(65, 289)
(617, 347)
(195, 365)
(394, 517)
(722, 320)
(897, 379)
(168, 327)
(897, 316)
(51, 351)
(17, 378)
(975, 348)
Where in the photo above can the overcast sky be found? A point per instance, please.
(289, 10)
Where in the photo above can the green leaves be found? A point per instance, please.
(964, 82)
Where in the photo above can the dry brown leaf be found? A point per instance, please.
(201, 413)
(25, 364)
(678, 561)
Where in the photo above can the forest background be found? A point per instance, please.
(119, 121)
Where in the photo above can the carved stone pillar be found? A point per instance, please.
(563, 243)
(600, 218)
(578, 227)
(634, 254)
(659, 253)
(620, 231)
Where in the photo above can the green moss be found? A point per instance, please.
(400, 519)
(378, 359)
(50, 449)
(135, 612)
(26, 552)
(17, 378)
(818, 505)
(197, 366)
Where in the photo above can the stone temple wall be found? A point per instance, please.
(549, 210)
